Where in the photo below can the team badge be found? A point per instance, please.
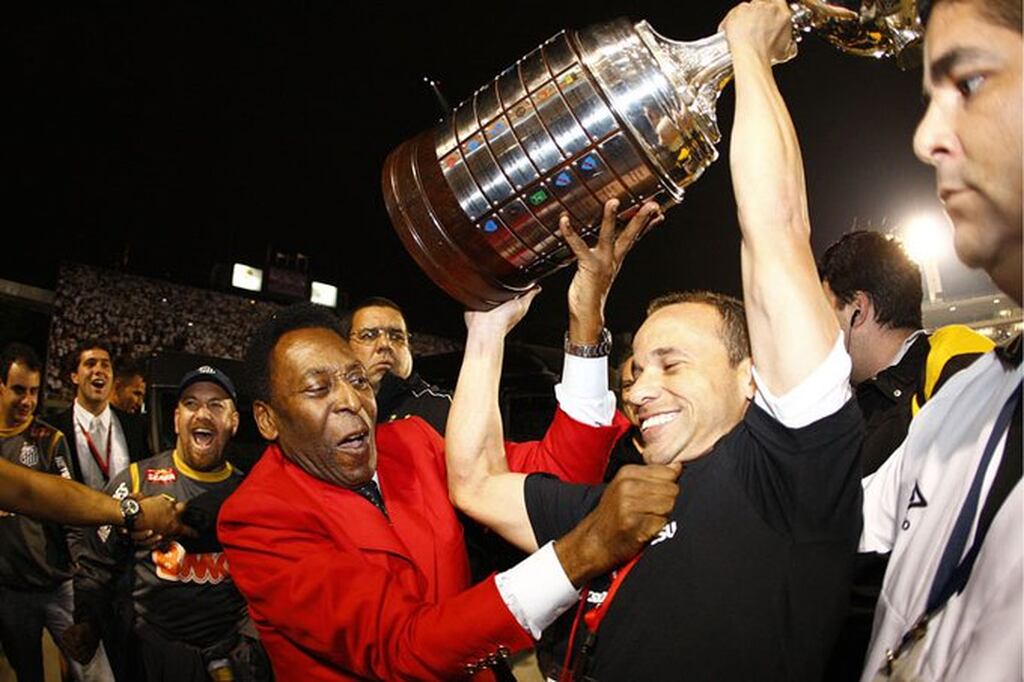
(29, 455)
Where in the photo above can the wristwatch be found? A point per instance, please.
(590, 350)
(131, 510)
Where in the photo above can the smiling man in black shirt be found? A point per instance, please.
(749, 576)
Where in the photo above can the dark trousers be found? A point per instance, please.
(23, 615)
(165, 660)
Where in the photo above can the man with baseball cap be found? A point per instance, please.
(190, 620)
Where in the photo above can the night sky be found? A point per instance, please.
(163, 138)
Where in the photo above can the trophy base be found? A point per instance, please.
(435, 231)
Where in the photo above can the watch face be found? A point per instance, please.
(130, 505)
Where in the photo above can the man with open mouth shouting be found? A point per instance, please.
(190, 620)
(102, 438)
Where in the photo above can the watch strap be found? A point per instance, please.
(601, 349)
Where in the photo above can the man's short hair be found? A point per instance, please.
(127, 367)
(371, 302)
(20, 353)
(877, 264)
(261, 345)
(1000, 12)
(733, 329)
(88, 344)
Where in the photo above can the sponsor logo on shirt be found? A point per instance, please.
(161, 476)
(62, 467)
(177, 565)
(121, 491)
(29, 455)
(917, 499)
(667, 532)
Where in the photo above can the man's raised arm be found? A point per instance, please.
(792, 328)
(479, 480)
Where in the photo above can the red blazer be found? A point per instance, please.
(340, 593)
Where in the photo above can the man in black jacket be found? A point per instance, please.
(380, 339)
(102, 439)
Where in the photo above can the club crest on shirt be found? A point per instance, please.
(161, 476)
(29, 455)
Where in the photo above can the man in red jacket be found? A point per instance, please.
(343, 584)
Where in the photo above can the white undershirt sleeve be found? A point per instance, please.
(823, 392)
(536, 590)
(583, 392)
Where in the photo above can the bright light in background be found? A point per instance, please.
(324, 294)
(926, 238)
(246, 277)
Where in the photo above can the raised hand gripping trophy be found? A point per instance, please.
(614, 110)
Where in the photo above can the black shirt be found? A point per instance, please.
(413, 397)
(749, 579)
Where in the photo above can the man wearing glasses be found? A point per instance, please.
(380, 339)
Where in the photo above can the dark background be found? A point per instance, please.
(163, 138)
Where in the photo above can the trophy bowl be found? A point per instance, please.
(614, 110)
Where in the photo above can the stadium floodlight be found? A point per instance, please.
(927, 239)
(246, 277)
(324, 294)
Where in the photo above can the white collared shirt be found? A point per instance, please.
(92, 475)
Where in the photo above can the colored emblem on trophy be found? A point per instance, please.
(611, 111)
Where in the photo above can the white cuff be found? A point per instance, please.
(823, 392)
(536, 590)
(583, 392)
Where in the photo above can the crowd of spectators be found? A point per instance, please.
(141, 317)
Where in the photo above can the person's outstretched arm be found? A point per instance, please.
(792, 328)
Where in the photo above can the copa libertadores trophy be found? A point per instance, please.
(614, 110)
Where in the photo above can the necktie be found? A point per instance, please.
(371, 492)
(99, 436)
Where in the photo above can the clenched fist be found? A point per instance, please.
(633, 508)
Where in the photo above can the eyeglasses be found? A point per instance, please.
(369, 335)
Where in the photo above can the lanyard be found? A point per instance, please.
(593, 621)
(102, 462)
(952, 573)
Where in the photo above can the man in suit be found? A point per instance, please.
(103, 439)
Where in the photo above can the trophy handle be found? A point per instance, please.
(882, 28)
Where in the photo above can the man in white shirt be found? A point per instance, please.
(103, 441)
(948, 503)
(102, 438)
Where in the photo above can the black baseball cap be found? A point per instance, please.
(211, 374)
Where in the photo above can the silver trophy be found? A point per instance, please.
(611, 111)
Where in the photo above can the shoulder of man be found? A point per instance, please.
(421, 387)
(43, 432)
(410, 429)
(952, 348)
(64, 421)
